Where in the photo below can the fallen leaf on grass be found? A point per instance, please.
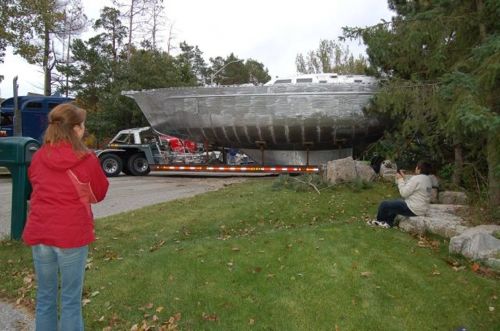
(171, 324)
(235, 249)
(157, 245)
(159, 309)
(251, 321)
(85, 302)
(366, 273)
(28, 279)
(484, 271)
(208, 317)
(426, 243)
(458, 268)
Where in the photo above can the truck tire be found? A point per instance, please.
(111, 164)
(125, 169)
(138, 165)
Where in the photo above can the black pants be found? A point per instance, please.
(388, 210)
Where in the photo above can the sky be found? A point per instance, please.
(272, 32)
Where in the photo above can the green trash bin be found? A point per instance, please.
(16, 154)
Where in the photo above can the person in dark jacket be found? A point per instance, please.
(66, 178)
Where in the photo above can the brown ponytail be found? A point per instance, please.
(62, 120)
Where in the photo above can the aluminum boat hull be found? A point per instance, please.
(291, 117)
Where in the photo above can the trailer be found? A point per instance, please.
(138, 151)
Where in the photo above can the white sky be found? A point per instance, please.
(272, 32)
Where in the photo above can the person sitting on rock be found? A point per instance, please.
(416, 193)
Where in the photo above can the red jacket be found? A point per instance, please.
(64, 186)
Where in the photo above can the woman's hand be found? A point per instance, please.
(399, 175)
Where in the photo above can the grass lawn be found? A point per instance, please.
(250, 257)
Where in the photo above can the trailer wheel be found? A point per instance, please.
(111, 164)
(138, 165)
(125, 169)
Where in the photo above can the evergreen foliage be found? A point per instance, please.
(440, 66)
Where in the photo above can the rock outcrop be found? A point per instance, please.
(440, 219)
(477, 243)
(347, 170)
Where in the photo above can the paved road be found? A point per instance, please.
(129, 193)
(125, 194)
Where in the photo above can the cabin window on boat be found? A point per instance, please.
(283, 81)
(124, 138)
(333, 76)
(322, 81)
(304, 80)
(358, 81)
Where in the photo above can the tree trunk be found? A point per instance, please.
(47, 88)
(68, 55)
(493, 154)
(114, 43)
(482, 27)
(130, 25)
(492, 151)
(459, 164)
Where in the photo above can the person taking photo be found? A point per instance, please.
(416, 194)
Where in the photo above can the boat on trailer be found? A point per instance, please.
(307, 119)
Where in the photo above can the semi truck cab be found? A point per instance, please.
(33, 109)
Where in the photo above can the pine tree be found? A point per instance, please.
(441, 64)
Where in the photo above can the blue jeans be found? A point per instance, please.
(50, 262)
(388, 210)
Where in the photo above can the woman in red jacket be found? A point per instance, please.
(66, 178)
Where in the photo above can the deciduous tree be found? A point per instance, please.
(35, 23)
(331, 57)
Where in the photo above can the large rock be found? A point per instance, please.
(477, 243)
(347, 170)
(388, 170)
(452, 198)
(440, 219)
(364, 171)
(434, 195)
(435, 189)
